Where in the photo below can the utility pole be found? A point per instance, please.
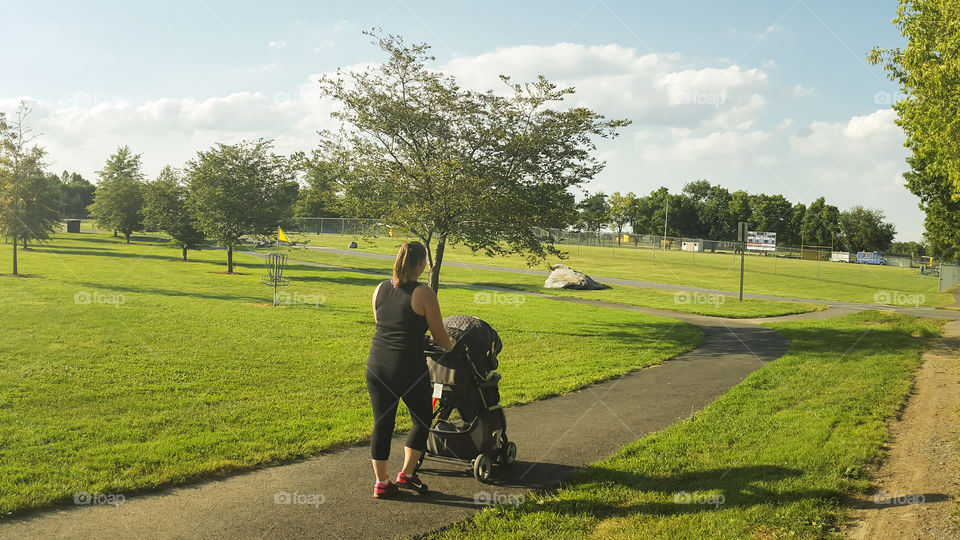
(666, 215)
(742, 237)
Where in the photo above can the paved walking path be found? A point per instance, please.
(331, 493)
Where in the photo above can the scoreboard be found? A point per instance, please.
(761, 241)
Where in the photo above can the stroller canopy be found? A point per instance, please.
(480, 340)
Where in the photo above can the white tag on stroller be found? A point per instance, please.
(437, 390)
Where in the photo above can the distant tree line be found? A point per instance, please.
(711, 212)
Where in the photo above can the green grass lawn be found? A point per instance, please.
(764, 275)
(776, 457)
(122, 368)
(683, 301)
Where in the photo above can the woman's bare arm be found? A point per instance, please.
(374, 301)
(424, 302)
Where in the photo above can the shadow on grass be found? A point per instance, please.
(168, 292)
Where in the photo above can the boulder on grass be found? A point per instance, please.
(564, 277)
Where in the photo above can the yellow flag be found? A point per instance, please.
(280, 236)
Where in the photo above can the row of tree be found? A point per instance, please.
(226, 192)
(710, 212)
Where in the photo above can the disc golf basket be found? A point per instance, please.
(275, 264)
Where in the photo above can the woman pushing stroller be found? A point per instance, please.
(403, 310)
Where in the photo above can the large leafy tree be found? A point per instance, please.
(484, 169)
(771, 213)
(942, 221)
(715, 215)
(319, 198)
(594, 212)
(864, 229)
(820, 223)
(118, 198)
(240, 189)
(165, 209)
(928, 72)
(29, 200)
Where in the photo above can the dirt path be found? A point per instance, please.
(921, 466)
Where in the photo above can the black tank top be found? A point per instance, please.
(399, 335)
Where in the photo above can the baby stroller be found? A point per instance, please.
(465, 383)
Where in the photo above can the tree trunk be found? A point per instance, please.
(230, 260)
(184, 253)
(14, 254)
(24, 242)
(114, 233)
(437, 261)
(127, 236)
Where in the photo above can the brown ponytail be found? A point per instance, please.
(409, 257)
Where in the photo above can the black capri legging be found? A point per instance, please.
(387, 386)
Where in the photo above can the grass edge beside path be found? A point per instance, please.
(779, 455)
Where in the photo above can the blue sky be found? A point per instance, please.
(770, 96)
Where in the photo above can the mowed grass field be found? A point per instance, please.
(762, 275)
(124, 369)
(520, 284)
(778, 456)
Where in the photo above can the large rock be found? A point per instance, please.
(564, 277)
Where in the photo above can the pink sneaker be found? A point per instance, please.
(411, 482)
(384, 490)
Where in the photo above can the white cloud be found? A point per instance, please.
(800, 91)
(276, 44)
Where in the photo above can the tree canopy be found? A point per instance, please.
(119, 196)
(29, 201)
(165, 209)
(928, 72)
(484, 169)
(240, 189)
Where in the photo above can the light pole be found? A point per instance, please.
(666, 215)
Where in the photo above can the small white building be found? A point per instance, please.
(840, 256)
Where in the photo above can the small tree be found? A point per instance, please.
(240, 189)
(620, 210)
(452, 165)
(118, 198)
(29, 201)
(595, 212)
(165, 209)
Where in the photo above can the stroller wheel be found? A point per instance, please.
(482, 467)
(509, 454)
